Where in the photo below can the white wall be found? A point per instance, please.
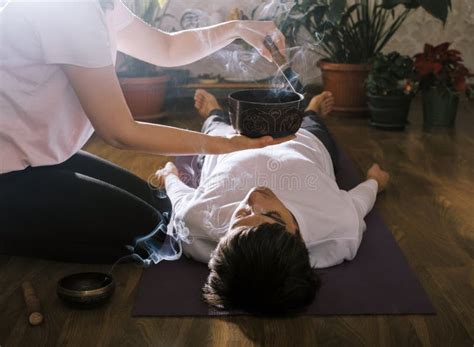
(421, 28)
(418, 29)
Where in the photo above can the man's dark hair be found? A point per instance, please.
(263, 270)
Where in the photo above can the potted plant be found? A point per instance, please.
(390, 89)
(442, 77)
(349, 35)
(143, 84)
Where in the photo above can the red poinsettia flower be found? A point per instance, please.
(425, 66)
(454, 56)
(458, 77)
(439, 65)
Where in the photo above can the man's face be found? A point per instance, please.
(260, 206)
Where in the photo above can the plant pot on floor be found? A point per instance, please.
(389, 112)
(145, 95)
(346, 83)
(439, 108)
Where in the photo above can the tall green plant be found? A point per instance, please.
(354, 32)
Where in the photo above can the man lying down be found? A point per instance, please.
(264, 218)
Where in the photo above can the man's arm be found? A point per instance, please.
(333, 251)
(364, 195)
(179, 193)
(182, 198)
(343, 246)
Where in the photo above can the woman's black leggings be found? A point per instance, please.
(83, 210)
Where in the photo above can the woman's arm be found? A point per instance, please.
(102, 99)
(154, 46)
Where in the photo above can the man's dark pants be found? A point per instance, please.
(312, 122)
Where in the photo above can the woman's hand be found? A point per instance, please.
(161, 174)
(254, 32)
(239, 142)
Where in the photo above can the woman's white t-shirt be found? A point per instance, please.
(41, 119)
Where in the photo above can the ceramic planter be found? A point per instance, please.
(389, 112)
(439, 109)
(145, 95)
(347, 83)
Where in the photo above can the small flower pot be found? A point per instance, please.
(389, 112)
(145, 95)
(439, 109)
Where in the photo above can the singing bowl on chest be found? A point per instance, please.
(260, 112)
(86, 289)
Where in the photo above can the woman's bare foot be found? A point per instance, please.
(205, 102)
(322, 104)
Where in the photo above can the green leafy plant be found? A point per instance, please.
(391, 74)
(151, 12)
(442, 68)
(354, 33)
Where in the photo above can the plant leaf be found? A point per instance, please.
(437, 8)
(390, 4)
(336, 10)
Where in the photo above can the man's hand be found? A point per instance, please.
(161, 174)
(382, 177)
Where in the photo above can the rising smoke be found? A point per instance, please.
(237, 61)
(240, 62)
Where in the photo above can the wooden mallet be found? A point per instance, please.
(33, 306)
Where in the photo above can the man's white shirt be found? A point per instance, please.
(300, 173)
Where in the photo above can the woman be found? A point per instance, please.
(57, 85)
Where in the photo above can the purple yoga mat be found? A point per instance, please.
(377, 281)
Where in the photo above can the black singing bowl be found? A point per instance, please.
(261, 112)
(86, 289)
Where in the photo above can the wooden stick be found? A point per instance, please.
(278, 58)
(33, 306)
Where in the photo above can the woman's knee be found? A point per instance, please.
(71, 207)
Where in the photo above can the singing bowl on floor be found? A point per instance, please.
(87, 289)
(256, 113)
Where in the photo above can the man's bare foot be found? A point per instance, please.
(322, 104)
(205, 102)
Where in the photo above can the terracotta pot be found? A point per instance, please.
(144, 95)
(347, 83)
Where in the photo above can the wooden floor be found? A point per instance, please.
(429, 206)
